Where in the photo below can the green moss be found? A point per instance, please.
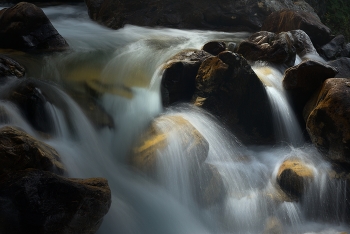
(337, 17)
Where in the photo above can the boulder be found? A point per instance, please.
(223, 15)
(214, 47)
(26, 27)
(19, 151)
(35, 201)
(303, 80)
(228, 88)
(267, 46)
(328, 123)
(302, 43)
(343, 67)
(293, 177)
(164, 131)
(178, 80)
(334, 49)
(9, 67)
(287, 20)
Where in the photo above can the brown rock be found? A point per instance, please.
(287, 20)
(26, 27)
(293, 177)
(303, 80)
(227, 87)
(178, 80)
(19, 151)
(34, 201)
(154, 142)
(328, 124)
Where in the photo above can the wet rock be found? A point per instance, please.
(93, 111)
(26, 27)
(273, 226)
(214, 47)
(19, 151)
(303, 80)
(343, 67)
(302, 43)
(334, 48)
(328, 123)
(32, 101)
(227, 87)
(178, 80)
(163, 132)
(287, 20)
(9, 67)
(35, 201)
(293, 177)
(223, 15)
(209, 189)
(267, 46)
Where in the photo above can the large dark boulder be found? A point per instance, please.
(343, 67)
(328, 123)
(214, 47)
(225, 15)
(227, 87)
(303, 80)
(178, 80)
(26, 27)
(19, 151)
(287, 20)
(35, 201)
(9, 67)
(268, 46)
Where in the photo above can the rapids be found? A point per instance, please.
(124, 65)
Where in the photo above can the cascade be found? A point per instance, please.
(124, 67)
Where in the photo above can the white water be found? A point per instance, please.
(124, 66)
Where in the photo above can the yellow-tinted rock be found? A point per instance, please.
(293, 176)
(155, 141)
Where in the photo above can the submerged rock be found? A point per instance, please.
(178, 80)
(32, 102)
(287, 20)
(293, 177)
(9, 67)
(328, 123)
(26, 27)
(19, 151)
(34, 201)
(227, 87)
(164, 131)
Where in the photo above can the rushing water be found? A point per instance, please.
(124, 67)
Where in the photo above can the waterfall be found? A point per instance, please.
(121, 71)
(286, 127)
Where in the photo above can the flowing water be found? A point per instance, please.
(124, 68)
